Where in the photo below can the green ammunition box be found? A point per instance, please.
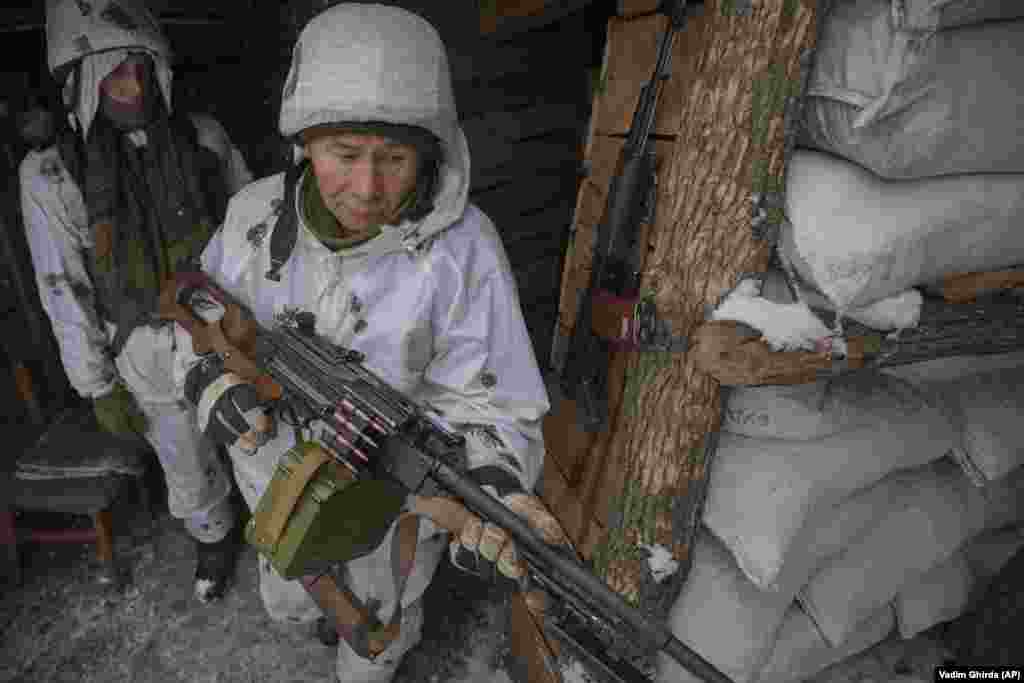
(316, 513)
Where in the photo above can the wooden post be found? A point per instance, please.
(733, 74)
(104, 525)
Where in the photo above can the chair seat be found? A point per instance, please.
(81, 495)
(75, 447)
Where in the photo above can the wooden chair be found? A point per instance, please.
(74, 468)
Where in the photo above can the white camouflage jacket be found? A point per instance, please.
(431, 303)
(57, 228)
(436, 315)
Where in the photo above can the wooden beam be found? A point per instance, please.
(503, 19)
(542, 52)
(635, 8)
(534, 121)
(509, 160)
(630, 56)
(507, 204)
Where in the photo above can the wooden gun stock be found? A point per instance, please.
(231, 337)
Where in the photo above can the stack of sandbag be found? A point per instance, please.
(912, 168)
(839, 511)
(920, 88)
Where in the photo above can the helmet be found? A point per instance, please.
(361, 63)
(76, 28)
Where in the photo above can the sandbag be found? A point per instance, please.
(988, 408)
(933, 15)
(911, 105)
(941, 512)
(858, 238)
(938, 595)
(723, 616)
(945, 591)
(763, 491)
(800, 651)
(732, 622)
(804, 412)
(831, 531)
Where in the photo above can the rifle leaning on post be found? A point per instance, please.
(376, 432)
(615, 268)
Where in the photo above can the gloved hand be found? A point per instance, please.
(490, 542)
(228, 409)
(118, 413)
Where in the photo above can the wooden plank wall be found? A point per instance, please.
(525, 133)
(582, 479)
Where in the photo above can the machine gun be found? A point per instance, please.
(377, 432)
(615, 268)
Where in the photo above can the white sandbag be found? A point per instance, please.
(732, 622)
(858, 238)
(933, 15)
(939, 514)
(831, 531)
(911, 105)
(988, 408)
(945, 591)
(800, 651)
(954, 367)
(803, 412)
(896, 312)
(939, 594)
(763, 491)
(723, 616)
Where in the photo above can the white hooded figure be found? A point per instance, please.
(125, 168)
(372, 233)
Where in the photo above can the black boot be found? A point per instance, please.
(216, 566)
(325, 632)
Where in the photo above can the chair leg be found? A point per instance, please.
(9, 539)
(103, 521)
(146, 501)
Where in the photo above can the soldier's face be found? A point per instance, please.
(124, 97)
(364, 179)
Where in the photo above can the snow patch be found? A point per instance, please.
(661, 562)
(204, 587)
(784, 327)
(574, 672)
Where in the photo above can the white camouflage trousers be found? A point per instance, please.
(198, 485)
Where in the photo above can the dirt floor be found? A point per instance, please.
(61, 626)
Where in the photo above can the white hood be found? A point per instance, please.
(100, 35)
(367, 62)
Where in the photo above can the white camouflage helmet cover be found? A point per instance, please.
(76, 28)
(361, 62)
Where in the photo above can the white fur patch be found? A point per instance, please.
(661, 562)
(575, 673)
